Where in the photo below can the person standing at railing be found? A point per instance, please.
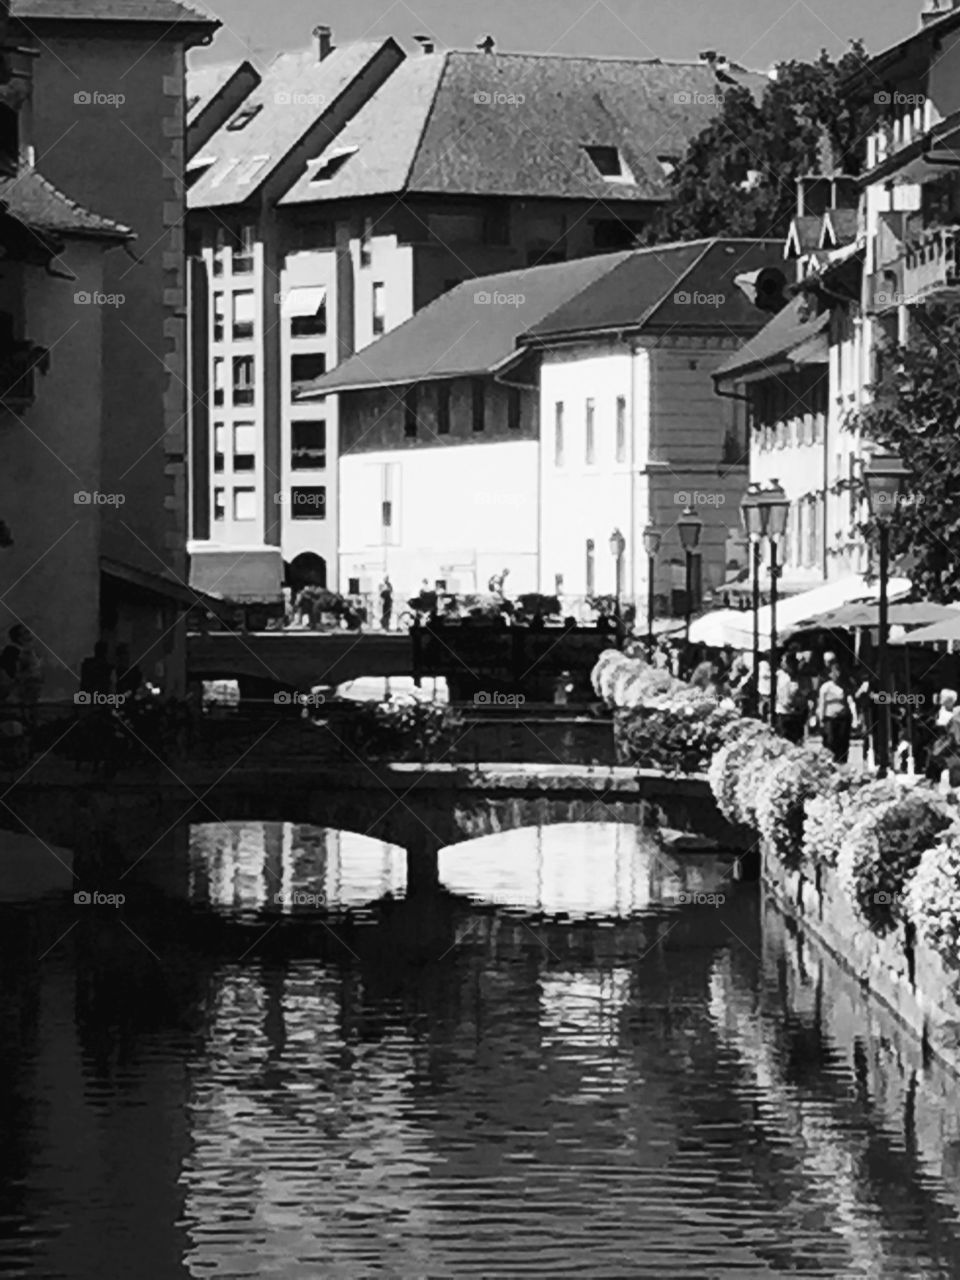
(386, 602)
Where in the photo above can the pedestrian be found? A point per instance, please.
(764, 683)
(835, 714)
(792, 706)
(945, 753)
(386, 602)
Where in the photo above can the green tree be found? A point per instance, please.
(738, 177)
(915, 412)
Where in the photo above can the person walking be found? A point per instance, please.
(386, 602)
(835, 714)
(792, 707)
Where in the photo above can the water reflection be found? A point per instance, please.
(630, 1092)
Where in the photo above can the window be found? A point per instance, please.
(243, 118)
(219, 379)
(253, 169)
(219, 442)
(243, 380)
(389, 513)
(331, 165)
(410, 413)
(379, 312)
(478, 403)
(353, 586)
(219, 316)
(244, 446)
(443, 408)
(609, 163)
(514, 408)
(219, 507)
(456, 228)
(243, 314)
(612, 233)
(306, 368)
(386, 513)
(590, 451)
(243, 251)
(558, 434)
(590, 568)
(366, 250)
(621, 428)
(245, 504)
(307, 308)
(308, 445)
(219, 244)
(308, 502)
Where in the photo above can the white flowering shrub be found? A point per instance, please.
(723, 772)
(830, 813)
(933, 897)
(753, 767)
(783, 791)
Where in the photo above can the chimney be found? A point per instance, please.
(324, 38)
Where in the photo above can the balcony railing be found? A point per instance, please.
(18, 370)
(931, 264)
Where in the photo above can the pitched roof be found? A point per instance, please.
(469, 123)
(473, 329)
(789, 329)
(803, 236)
(482, 325)
(205, 82)
(37, 203)
(296, 91)
(919, 43)
(676, 287)
(840, 226)
(168, 11)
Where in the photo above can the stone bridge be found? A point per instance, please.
(421, 809)
(297, 659)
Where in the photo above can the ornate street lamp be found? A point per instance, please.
(884, 480)
(750, 520)
(617, 547)
(690, 527)
(652, 538)
(773, 512)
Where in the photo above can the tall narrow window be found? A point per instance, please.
(244, 446)
(243, 314)
(379, 309)
(477, 391)
(219, 316)
(305, 369)
(243, 380)
(243, 251)
(558, 434)
(245, 504)
(219, 442)
(621, 428)
(443, 408)
(219, 379)
(590, 453)
(308, 440)
(219, 246)
(219, 504)
(410, 413)
(590, 569)
(513, 408)
(366, 245)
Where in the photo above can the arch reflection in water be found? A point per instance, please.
(289, 867)
(581, 870)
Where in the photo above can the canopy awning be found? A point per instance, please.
(240, 575)
(155, 584)
(734, 627)
(307, 300)
(938, 632)
(921, 613)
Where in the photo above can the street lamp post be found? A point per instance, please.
(884, 479)
(617, 546)
(690, 527)
(750, 519)
(651, 545)
(774, 508)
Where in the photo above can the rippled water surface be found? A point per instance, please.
(555, 1067)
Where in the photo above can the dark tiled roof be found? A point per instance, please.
(875, 68)
(669, 287)
(169, 11)
(296, 90)
(804, 234)
(788, 329)
(517, 124)
(839, 227)
(456, 336)
(31, 199)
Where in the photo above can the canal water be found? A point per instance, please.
(585, 1057)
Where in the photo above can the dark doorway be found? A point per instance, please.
(307, 570)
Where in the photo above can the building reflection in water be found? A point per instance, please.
(251, 866)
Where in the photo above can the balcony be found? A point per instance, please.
(18, 370)
(931, 270)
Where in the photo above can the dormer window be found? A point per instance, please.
(330, 165)
(609, 163)
(243, 118)
(668, 164)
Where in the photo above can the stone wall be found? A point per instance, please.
(908, 977)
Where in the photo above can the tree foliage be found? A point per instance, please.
(914, 411)
(738, 176)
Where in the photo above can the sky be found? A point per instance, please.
(756, 33)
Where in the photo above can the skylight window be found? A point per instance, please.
(331, 164)
(192, 101)
(253, 169)
(197, 167)
(606, 161)
(668, 164)
(243, 118)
